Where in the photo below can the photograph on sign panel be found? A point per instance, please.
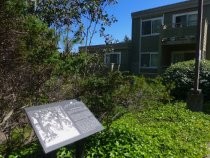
(53, 125)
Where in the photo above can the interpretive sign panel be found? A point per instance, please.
(62, 123)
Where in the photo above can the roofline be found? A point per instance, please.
(122, 45)
(167, 8)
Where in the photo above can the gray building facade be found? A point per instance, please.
(162, 36)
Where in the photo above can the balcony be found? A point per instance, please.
(178, 34)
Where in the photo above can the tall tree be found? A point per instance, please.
(126, 39)
(26, 47)
(26, 44)
(77, 20)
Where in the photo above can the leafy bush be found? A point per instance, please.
(168, 131)
(97, 93)
(182, 76)
(142, 93)
(107, 95)
(82, 64)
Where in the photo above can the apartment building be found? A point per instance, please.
(162, 36)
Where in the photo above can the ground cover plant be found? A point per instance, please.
(167, 131)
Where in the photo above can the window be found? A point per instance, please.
(149, 60)
(151, 26)
(181, 21)
(113, 58)
(145, 60)
(192, 20)
(156, 25)
(146, 28)
(154, 60)
(185, 19)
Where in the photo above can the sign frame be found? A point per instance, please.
(72, 115)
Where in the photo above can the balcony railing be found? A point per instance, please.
(178, 33)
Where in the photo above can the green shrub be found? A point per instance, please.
(97, 93)
(81, 64)
(168, 131)
(142, 93)
(182, 76)
(106, 94)
(32, 150)
(64, 153)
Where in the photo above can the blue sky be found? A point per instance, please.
(122, 11)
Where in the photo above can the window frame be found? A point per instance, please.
(181, 14)
(115, 53)
(150, 54)
(151, 19)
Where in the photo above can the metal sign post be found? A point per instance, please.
(80, 148)
(198, 48)
(195, 96)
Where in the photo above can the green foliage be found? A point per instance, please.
(32, 150)
(80, 64)
(17, 7)
(28, 44)
(164, 131)
(30, 64)
(35, 150)
(141, 93)
(182, 76)
(70, 75)
(97, 93)
(64, 153)
(105, 93)
(39, 42)
(167, 131)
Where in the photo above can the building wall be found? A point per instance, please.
(153, 43)
(190, 30)
(130, 53)
(169, 15)
(143, 44)
(134, 56)
(123, 48)
(167, 50)
(124, 66)
(150, 43)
